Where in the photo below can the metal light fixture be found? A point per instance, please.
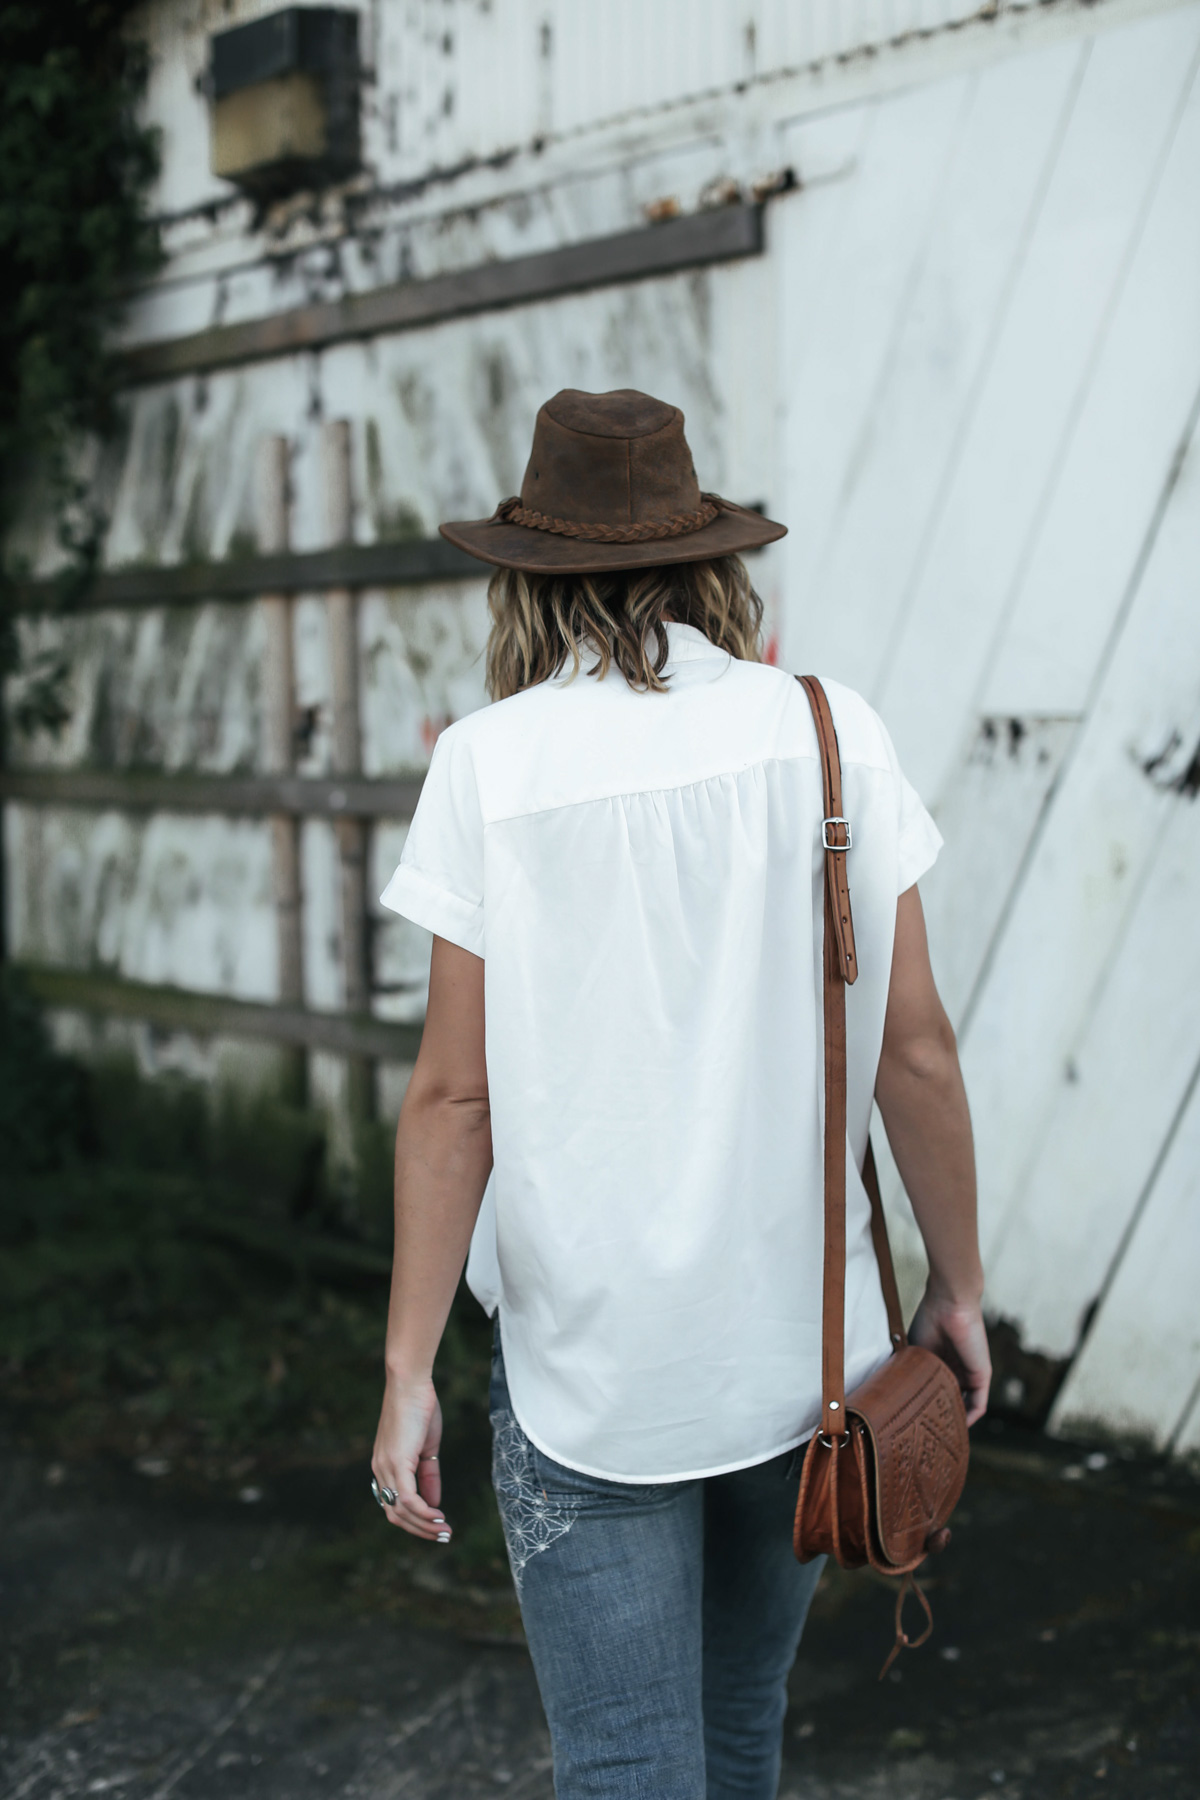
(284, 100)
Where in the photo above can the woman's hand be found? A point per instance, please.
(405, 1458)
(954, 1330)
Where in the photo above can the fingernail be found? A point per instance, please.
(439, 1518)
(443, 1537)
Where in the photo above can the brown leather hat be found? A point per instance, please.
(610, 485)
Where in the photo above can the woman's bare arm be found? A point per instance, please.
(919, 1088)
(443, 1158)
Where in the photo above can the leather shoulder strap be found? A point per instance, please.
(883, 1252)
(835, 830)
(840, 963)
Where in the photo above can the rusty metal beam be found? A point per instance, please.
(721, 235)
(403, 564)
(215, 1015)
(138, 790)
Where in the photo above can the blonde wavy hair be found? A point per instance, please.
(617, 616)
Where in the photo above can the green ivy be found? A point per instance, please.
(75, 170)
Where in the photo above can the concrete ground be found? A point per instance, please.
(278, 1643)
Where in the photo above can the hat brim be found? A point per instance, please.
(512, 546)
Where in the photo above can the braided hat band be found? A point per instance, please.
(610, 484)
(649, 531)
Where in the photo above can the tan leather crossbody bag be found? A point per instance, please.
(885, 1470)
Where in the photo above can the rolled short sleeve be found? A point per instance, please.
(439, 883)
(918, 838)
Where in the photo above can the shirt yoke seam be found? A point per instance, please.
(676, 787)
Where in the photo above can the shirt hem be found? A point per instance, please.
(659, 1480)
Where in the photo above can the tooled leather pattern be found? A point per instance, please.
(921, 1466)
(907, 1450)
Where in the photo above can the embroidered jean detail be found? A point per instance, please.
(532, 1521)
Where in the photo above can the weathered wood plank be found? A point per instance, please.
(136, 790)
(403, 564)
(184, 900)
(987, 817)
(212, 1015)
(429, 442)
(273, 532)
(342, 622)
(1095, 847)
(966, 259)
(846, 253)
(1127, 431)
(1113, 1105)
(422, 667)
(703, 237)
(990, 514)
(1138, 1369)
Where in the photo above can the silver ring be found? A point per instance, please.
(384, 1496)
(427, 1459)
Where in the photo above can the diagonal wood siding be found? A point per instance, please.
(996, 535)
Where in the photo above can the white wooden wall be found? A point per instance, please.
(451, 80)
(991, 337)
(966, 373)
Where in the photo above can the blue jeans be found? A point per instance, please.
(662, 1620)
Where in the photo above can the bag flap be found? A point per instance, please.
(914, 1417)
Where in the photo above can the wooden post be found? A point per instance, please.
(342, 614)
(279, 742)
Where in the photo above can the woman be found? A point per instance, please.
(621, 865)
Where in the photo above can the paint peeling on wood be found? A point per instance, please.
(1176, 766)
(168, 899)
(166, 689)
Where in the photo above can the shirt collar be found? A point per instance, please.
(687, 644)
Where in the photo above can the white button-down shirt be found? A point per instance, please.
(642, 874)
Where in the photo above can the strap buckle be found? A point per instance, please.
(825, 824)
